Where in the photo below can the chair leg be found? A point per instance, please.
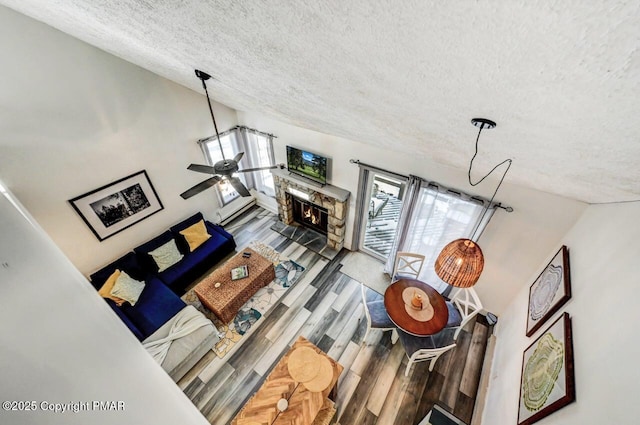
(394, 336)
(455, 335)
(366, 334)
(408, 368)
(432, 362)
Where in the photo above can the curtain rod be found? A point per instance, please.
(238, 127)
(262, 133)
(362, 164)
(373, 167)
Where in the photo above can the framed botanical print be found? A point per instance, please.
(112, 208)
(550, 291)
(547, 382)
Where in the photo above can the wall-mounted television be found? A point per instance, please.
(307, 164)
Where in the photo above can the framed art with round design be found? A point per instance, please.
(547, 382)
(550, 291)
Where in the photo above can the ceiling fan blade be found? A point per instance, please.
(200, 187)
(202, 168)
(238, 157)
(247, 170)
(239, 187)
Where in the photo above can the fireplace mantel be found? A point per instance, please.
(331, 198)
(332, 191)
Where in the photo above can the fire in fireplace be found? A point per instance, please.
(310, 215)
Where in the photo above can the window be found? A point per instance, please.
(224, 190)
(258, 152)
(437, 219)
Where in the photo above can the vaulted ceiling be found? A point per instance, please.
(560, 78)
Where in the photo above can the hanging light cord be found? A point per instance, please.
(213, 118)
(506, 161)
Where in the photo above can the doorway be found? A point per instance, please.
(385, 194)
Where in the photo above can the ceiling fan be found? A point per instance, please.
(223, 170)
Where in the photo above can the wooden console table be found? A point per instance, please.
(304, 405)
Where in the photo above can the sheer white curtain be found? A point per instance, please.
(431, 218)
(258, 152)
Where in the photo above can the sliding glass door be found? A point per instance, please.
(384, 194)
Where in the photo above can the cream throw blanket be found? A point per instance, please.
(186, 321)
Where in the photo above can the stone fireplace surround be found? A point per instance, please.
(332, 198)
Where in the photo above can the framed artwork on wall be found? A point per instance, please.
(550, 291)
(547, 382)
(116, 206)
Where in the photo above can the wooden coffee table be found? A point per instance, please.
(226, 299)
(303, 405)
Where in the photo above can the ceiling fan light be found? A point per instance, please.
(460, 263)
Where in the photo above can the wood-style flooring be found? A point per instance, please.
(325, 306)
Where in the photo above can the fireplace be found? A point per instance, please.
(330, 203)
(310, 215)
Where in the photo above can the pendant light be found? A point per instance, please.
(460, 262)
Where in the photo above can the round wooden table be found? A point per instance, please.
(404, 318)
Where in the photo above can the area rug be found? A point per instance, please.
(287, 273)
(367, 270)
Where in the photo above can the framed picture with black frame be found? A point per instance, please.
(550, 291)
(112, 208)
(547, 381)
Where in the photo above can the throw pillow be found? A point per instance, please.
(166, 255)
(127, 288)
(195, 235)
(105, 290)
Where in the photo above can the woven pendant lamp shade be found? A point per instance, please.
(460, 263)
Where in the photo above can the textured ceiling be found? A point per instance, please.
(562, 79)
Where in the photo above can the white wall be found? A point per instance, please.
(93, 356)
(603, 254)
(513, 244)
(75, 118)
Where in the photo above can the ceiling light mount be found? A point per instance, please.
(482, 123)
(204, 76)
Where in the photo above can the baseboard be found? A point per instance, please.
(483, 385)
(263, 202)
(229, 212)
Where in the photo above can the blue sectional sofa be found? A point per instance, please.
(156, 305)
(195, 263)
(160, 299)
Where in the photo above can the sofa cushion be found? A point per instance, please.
(195, 235)
(156, 305)
(197, 262)
(166, 255)
(218, 229)
(183, 245)
(127, 288)
(144, 258)
(132, 327)
(105, 290)
(128, 263)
